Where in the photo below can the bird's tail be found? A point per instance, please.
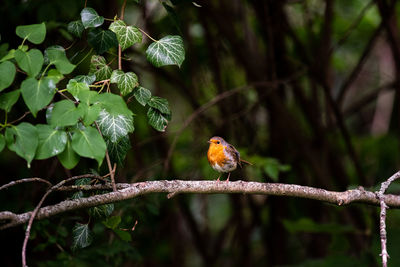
(245, 161)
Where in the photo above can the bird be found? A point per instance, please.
(223, 157)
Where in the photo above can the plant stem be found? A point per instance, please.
(145, 33)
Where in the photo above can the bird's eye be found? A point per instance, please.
(218, 142)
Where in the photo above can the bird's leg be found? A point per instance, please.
(227, 179)
(219, 177)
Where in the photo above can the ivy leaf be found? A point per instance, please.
(125, 236)
(157, 120)
(8, 100)
(102, 40)
(51, 141)
(88, 97)
(115, 126)
(65, 113)
(89, 143)
(2, 142)
(7, 74)
(142, 95)
(114, 104)
(82, 237)
(74, 87)
(125, 81)
(55, 75)
(101, 211)
(126, 35)
(76, 28)
(55, 55)
(90, 18)
(88, 79)
(117, 150)
(159, 103)
(68, 157)
(112, 222)
(35, 33)
(99, 68)
(90, 113)
(23, 140)
(37, 94)
(166, 51)
(31, 62)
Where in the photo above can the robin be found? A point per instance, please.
(223, 157)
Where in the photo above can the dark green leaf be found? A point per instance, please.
(159, 103)
(74, 87)
(101, 211)
(166, 51)
(88, 79)
(8, 100)
(2, 142)
(125, 236)
(126, 35)
(65, 113)
(99, 68)
(117, 150)
(125, 81)
(112, 222)
(31, 62)
(35, 33)
(76, 28)
(23, 139)
(102, 40)
(37, 94)
(7, 74)
(142, 95)
(55, 55)
(51, 141)
(82, 237)
(68, 157)
(114, 126)
(89, 143)
(157, 120)
(90, 18)
(114, 104)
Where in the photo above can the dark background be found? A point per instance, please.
(310, 84)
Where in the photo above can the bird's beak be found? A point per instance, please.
(209, 142)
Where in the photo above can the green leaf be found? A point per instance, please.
(99, 68)
(65, 113)
(2, 142)
(157, 120)
(125, 236)
(102, 40)
(89, 143)
(82, 237)
(90, 18)
(142, 95)
(51, 141)
(90, 113)
(37, 94)
(112, 222)
(88, 97)
(166, 51)
(125, 81)
(55, 75)
(159, 103)
(55, 55)
(31, 62)
(7, 74)
(126, 35)
(101, 211)
(35, 33)
(68, 157)
(114, 104)
(76, 28)
(114, 126)
(9, 55)
(88, 79)
(74, 87)
(117, 150)
(8, 100)
(23, 139)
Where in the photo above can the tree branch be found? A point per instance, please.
(202, 187)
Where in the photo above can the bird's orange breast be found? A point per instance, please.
(216, 154)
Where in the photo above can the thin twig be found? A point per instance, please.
(25, 180)
(119, 46)
(382, 220)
